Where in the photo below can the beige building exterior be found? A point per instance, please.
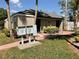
(25, 19)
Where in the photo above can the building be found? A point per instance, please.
(27, 18)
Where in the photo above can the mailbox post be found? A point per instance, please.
(32, 30)
(27, 30)
(21, 31)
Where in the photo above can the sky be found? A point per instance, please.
(44, 5)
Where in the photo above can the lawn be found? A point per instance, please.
(50, 49)
(4, 39)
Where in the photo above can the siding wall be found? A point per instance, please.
(6, 24)
(25, 21)
(30, 21)
(20, 20)
(14, 22)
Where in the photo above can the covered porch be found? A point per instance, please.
(42, 22)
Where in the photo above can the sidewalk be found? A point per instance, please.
(10, 45)
(14, 44)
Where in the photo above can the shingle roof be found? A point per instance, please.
(53, 14)
(40, 13)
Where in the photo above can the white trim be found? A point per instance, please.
(23, 15)
(29, 15)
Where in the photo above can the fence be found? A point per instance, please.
(70, 25)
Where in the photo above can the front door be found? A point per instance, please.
(58, 23)
(38, 22)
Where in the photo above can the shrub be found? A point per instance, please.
(77, 35)
(76, 38)
(50, 29)
(77, 31)
(6, 31)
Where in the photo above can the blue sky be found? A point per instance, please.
(44, 5)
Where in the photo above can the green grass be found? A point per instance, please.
(4, 39)
(50, 49)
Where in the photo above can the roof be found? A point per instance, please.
(40, 14)
(53, 14)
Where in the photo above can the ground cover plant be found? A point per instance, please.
(5, 40)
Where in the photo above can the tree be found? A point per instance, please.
(63, 4)
(73, 8)
(9, 19)
(36, 11)
(3, 16)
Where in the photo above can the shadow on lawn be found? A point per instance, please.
(73, 44)
(58, 37)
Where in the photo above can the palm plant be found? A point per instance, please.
(9, 20)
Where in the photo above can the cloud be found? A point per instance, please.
(16, 2)
(13, 11)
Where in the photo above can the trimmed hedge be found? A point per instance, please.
(50, 29)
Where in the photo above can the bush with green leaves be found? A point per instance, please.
(6, 31)
(76, 38)
(77, 31)
(50, 29)
(5, 40)
(77, 34)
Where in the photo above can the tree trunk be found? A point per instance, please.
(75, 25)
(75, 20)
(9, 19)
(36, 11)
(65, 23)
(65, 18)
